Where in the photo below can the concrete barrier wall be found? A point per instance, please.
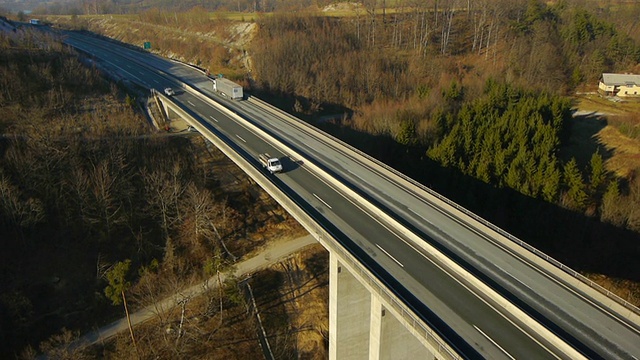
(367, 278)
(477, 287)
(514, 245)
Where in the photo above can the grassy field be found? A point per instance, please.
(613, 127)
(597, 103)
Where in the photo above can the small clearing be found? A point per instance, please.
(599, 125)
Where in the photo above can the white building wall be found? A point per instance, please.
(629, 91)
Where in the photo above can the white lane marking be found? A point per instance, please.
(140, 72)
(190, 103)
(516, 279)
(494, 343)
(432, 261)
(322, 201)
(420, 216)
(240, 137)
(356, 175)
(523, 259)
(389, 255)
(212, 118)
(156, 81)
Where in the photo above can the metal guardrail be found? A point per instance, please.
(325, 237)
(365, 275)
(321, 234)
(299, 123)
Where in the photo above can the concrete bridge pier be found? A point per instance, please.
(361, 327)
(173, 119)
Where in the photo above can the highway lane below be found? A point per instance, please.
(568, 314)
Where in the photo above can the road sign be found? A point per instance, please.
(147, 45)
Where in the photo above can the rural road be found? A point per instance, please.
(270, 255)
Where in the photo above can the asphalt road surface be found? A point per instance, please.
(472, 326)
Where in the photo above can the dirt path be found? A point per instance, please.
(270, 255)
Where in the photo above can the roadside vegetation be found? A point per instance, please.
(290, 298)
(95, 204)
(193, 36)
(477, 99)
(474, 102)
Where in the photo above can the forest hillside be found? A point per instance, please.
(492, 103)
(464, 95)
(95, 204)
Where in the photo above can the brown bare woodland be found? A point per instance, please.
(85, 185)
(400, 83)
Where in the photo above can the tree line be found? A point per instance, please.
(368, 57)
(97, 7)
(478, 88)
(511, 137)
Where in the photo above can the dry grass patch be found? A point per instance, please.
(304, 294)
(625, 151)
(597, 103)
(237, 16)
(614, 127)
(627, 290)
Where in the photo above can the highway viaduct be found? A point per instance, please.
(388, 304)
(360, 307)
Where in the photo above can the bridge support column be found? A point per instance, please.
(333, 306)
(167, 112)
(349, 314)
(375, 328)
(389, 339)
(396, 342)
(361, 327)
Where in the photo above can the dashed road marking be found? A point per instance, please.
(494, 343)
(389, 255)
(322, 201)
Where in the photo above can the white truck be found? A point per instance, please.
(270, 163)
(228, 88)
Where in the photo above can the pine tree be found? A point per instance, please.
(516, 174)
(576, 196)
(610, 209)
(598, 172)
(551, 184)
(118, 284)
(407, 133)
